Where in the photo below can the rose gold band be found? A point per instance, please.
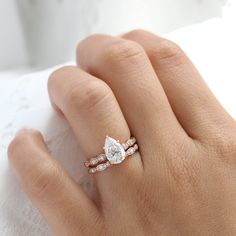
(101, 162)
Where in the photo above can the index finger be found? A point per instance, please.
(60, 200)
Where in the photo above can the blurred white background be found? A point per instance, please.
(41, 33)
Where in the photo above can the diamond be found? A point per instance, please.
(93, 161)
(92, 170)
(101, 167)
(114, 151)
(102, 157)
(87, 164)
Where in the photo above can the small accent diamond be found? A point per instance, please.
(93, 161)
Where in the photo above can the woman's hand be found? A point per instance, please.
(183, 179)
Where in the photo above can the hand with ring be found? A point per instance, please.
(160, 146)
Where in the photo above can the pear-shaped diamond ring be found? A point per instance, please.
(115, 153)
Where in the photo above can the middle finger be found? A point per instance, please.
(126, 68)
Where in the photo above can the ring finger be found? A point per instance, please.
(93, 112)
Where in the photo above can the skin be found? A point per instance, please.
(181, 182)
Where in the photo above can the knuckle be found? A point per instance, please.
(123, 50)
(92, 38)
(137, 32)
(60, 73)
(88, 94)
(169, 52)
(24, 139)
(16, 144)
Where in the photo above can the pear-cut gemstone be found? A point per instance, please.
(114, 151)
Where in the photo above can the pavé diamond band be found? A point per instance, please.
(115, 153)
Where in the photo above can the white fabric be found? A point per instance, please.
(24, 102)
(43, 33)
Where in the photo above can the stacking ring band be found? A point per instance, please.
(114, 153)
